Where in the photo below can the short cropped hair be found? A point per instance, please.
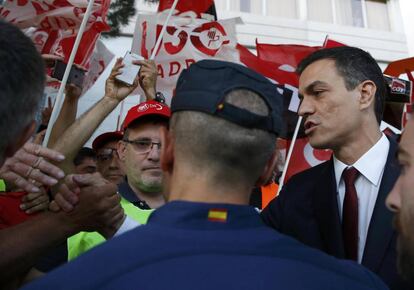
(355, 66)
(83, 153)
(22, 78)
(228, 152)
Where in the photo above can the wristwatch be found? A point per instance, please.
(159, 97)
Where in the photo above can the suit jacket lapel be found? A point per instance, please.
(326, 211)
(380, 229)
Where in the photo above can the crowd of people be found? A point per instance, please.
(164, 202)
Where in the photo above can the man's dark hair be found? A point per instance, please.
(84, 152)
(229, 153)
(355, 66)
(22, 78)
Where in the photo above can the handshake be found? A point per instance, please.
(82, 203)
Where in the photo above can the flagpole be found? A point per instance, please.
(164, 27)
(60, 97)
(289, 155)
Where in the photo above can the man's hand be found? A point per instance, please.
(72, 92)
(38, 138)
(91, 203)
(35, 202)
(148, 77)
(115, 89)
(30, 164)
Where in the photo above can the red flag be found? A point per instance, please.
(304, 156)
(285, 54)
(199, 7)
(269, 69)
(57, 23)
(329, 43)
(399, 67)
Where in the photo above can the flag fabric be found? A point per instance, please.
(198, 9)
(330, 43)
(185, 41)
(56, 24)
(100, 59)
(304, 156)
(288, 55)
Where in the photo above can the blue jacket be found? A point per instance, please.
(188, 245)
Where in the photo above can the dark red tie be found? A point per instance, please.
(350, 214)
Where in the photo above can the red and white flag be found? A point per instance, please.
(304, 156)
(185, 41)
(288, 55)
(56, 24)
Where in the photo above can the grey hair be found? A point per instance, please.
(22, 78)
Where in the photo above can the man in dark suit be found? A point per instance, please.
(339, 206)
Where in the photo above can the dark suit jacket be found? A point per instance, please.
(307, 209)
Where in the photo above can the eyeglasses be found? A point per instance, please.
(106, 154)
(143, 146)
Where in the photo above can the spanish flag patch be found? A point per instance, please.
(217, 215)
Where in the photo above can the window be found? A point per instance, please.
(363, 13)
(320, 10)
(245, 5)
(358, 13)
(249, 6)
(377, 14)
(349, 12)
(282, 8)
(220, 4)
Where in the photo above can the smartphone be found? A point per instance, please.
(76, 75)
(130, 70)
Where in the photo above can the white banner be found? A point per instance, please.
(183, 44)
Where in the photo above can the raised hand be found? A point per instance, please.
(148, 77)
(115, 89)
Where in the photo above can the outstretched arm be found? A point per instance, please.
(82, 129)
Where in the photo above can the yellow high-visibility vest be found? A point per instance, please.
(84, 241)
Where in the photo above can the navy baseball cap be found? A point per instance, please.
(204, 85)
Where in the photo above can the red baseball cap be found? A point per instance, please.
(146, 109)
(106, 137)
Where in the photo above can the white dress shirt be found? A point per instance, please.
(371, 168)
(127, 225)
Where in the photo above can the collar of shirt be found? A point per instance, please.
(126, 192)
(205, 216)
(368, 164)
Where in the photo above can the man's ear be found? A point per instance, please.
(20, 139)
(120, 148)
(167, 150)
(368, 90)
(269, 168)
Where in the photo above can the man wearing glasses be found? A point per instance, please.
(138, 154)
(105, 146)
